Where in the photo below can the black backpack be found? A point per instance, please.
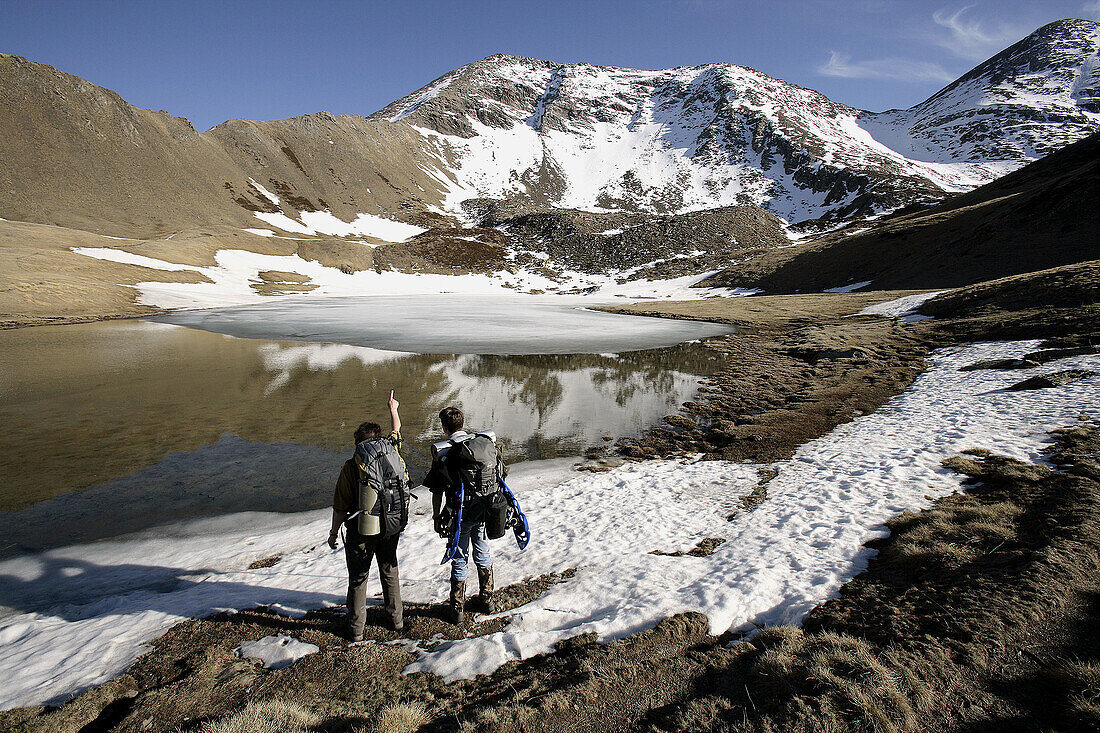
(383, 471)
(477, 463)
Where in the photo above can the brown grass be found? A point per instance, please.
(828, 682)
(263, 716)
(400, 718)
(980, 613)
(784, 382)
(765, 311)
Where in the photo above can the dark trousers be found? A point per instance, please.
(360, 550)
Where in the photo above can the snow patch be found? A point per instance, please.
(276, 652)
(323, 222)
(235, 271)
(430, 93)
(266, 194)
(900, 308)
(128, 258)
(284, 222)
(848, 288)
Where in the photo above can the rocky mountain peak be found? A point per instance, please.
(1057, 62)
(1035, 97)
(598, 138)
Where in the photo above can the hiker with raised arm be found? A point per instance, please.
(471, 504)
(371, 502)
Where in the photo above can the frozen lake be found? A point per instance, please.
(115, 427)
(451, 324)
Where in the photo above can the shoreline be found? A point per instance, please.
(14, 323)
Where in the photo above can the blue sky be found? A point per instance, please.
(213, 61)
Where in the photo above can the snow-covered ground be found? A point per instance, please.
(237, 271)
(323, 222)
(904, 308)
(778, 561)
(276, 651)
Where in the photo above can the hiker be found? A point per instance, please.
(482, 510)
(371, 501)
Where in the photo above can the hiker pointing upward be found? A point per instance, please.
(372, 502)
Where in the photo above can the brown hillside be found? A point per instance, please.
(77, 155)
(1044, 215)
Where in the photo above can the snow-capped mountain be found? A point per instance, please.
(552, 135)
(601, 138)
(1031, 99)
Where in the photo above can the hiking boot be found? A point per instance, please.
(485, 589)
(398, 626)
(458, 602)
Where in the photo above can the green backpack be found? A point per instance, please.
(383, 489)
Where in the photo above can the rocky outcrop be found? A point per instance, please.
(1041, 216)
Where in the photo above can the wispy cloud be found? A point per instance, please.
(972, 39)
(1091, 10)
(895, 69)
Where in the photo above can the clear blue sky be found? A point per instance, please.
(213, 61)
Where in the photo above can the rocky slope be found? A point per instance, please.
(1034, 97)
(600, 138)
(1041, 216)
(77, 155)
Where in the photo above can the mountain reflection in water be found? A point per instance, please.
(116, 427)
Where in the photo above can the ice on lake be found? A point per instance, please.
(450, 324)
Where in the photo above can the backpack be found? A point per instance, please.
(477, 462)
(383, 489)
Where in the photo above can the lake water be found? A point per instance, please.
(116, 427)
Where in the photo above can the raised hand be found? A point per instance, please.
(394, 417)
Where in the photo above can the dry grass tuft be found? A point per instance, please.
(953, 533)
(828, 681)
(401, 718)
(1083, 678)
(264, 716)
(505, 718)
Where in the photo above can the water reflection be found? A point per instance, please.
(113, 427)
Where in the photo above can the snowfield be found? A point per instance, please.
(323, 222)
(777, 562)
(236, 271)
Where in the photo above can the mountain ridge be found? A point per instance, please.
(547, 134)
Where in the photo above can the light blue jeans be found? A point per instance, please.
(471, 529)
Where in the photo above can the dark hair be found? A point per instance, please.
(452, 419)
(366, 431)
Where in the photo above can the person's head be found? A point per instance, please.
(367, 431)
(452, 419)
